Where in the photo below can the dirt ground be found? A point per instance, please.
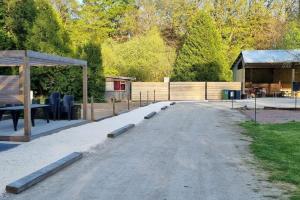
(273, 116)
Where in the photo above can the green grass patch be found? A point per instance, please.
(277, 146)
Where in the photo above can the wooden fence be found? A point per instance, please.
(161, 91)
(187, 91)
(10, 90)
(192, 91)
(214, 90)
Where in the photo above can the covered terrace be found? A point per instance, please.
(16, 90)
(274, 71)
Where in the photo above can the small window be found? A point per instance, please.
(119, 86)
(123, 86)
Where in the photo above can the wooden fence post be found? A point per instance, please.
(114, 106)
(128, 102)
(147, 97)
(92, 109)
(140, 99)
(169, 91)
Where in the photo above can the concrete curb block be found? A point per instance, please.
(173, 103)
(103, 118)
(28, 181)
(150, 115)
(164, 108)
(120, 131)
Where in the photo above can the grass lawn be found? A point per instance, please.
(277, 146)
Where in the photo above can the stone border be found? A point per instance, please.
(28, 181)
(150, 115)
(120, 131)
(164, 108)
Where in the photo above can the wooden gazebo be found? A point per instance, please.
(25, 59)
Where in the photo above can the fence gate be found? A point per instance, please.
(189, 91)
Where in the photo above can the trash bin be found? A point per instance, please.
(237, 94)
(225, 94)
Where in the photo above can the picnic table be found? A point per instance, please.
(15, 112)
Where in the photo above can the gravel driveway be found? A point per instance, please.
(191, 151)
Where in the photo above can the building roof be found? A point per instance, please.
(268, 57)
(17, 58)
(121, 77)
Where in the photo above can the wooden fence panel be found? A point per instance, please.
(10, 90)
(187, 91)
(215, 89)
(161, 91)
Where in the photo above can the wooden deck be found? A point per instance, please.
(41, 128)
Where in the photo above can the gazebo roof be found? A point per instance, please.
(10, 58)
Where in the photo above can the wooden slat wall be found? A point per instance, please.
(187, 91)
(161, 91)
(215, 89)
(10, 90)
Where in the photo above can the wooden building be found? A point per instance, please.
(118, 87)
(271, 71)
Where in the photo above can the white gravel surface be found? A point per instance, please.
(192, 151)
(31, 156)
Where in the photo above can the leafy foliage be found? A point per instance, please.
(19, 18)
(92, 53)
(141, 38)
(201, 57)
(147, 58)
(291, 38)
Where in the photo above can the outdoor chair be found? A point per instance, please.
(67, 105)
(1, 112)
(54, 102)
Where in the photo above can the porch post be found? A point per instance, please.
(292, 80)
(243, 79)
(85, 91)
(25, 73)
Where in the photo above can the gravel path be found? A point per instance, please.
(191, 151)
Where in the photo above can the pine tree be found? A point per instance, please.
(91, 52)
(201, 57)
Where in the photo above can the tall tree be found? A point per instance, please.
(99, 19)
(96, 83)
(202, 57)
(47, 33)
(5, 39)
(145, 57)
(291, 37)
(19, 18)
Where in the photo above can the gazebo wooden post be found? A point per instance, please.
(25, 73)
(85, 91)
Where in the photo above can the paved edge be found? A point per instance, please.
(120, 131)
(164, 108)
(150, 115)
(28, 181)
